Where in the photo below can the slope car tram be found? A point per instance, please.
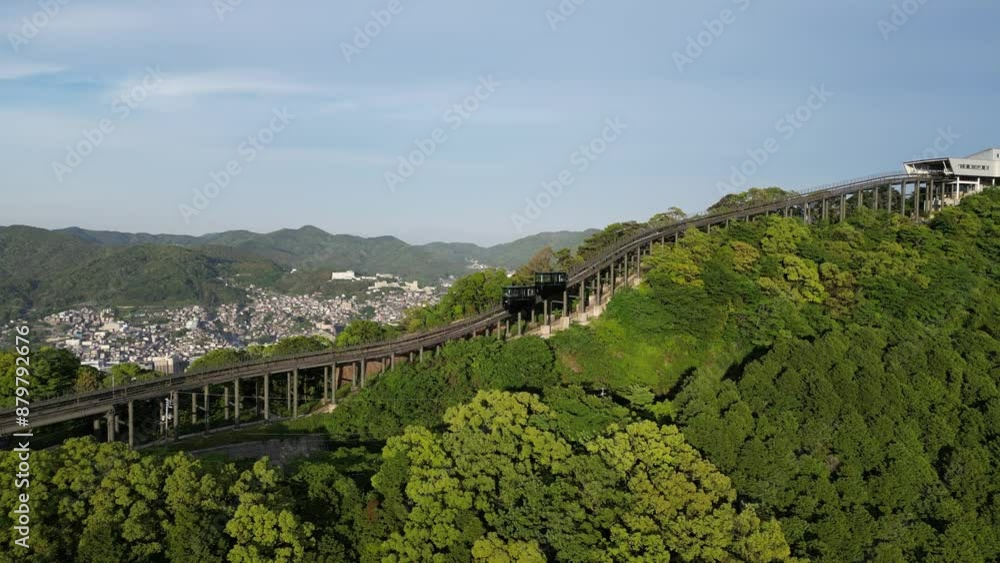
(525, 297)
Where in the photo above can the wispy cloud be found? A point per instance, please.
(234, 83)
(19, 70)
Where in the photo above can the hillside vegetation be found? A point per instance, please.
(772, 392)
(844, 376)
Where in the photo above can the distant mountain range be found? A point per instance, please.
(44, 270)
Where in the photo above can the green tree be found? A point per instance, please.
(53, 371)
(598, 242)
(299, 345)
(88, 379)
(366, 332)
(219, 358)
(264, 527)
(750, 198)
(668, 217)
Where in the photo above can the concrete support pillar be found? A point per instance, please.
(208, 419)
(364, 369)
(625, 279)
(565, 303)
(547, 311)
(225, 401)
(194, 408)
(236, 402)
(131, 424)
(902, 198)
(916, 199)
(888, 203)
(163, 420)
(295, 393)
(614, 279)
(176, 404)
(581, 306)
(420, 356)
(288, 391)
(843, 207)
(600, 287)
(110, 417)
(326, 384)
(334, 383)
(520, 326)
(875, 198)
(826, 209)
(267, 397)
(506, 331)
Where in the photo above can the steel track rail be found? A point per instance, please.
(69, 407)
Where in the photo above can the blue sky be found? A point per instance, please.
(687, 115)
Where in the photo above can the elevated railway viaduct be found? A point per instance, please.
(247, 387)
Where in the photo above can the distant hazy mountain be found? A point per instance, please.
(42, 270)
(312, 248)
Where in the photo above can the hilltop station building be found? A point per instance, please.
(961, 176)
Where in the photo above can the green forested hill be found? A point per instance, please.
(29, 255)
(772, 392)
(142, 275)
(844, 376)
(311, 248)
(43, 270)
(515, 254)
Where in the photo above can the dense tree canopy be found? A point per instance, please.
(749, 198)
(772, 391)
(366, 332)
(499, 480)
(845, 376)
(473, 294)
(52, 371)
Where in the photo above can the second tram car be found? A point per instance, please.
(524, 297)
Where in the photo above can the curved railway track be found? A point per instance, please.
(842, 198)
